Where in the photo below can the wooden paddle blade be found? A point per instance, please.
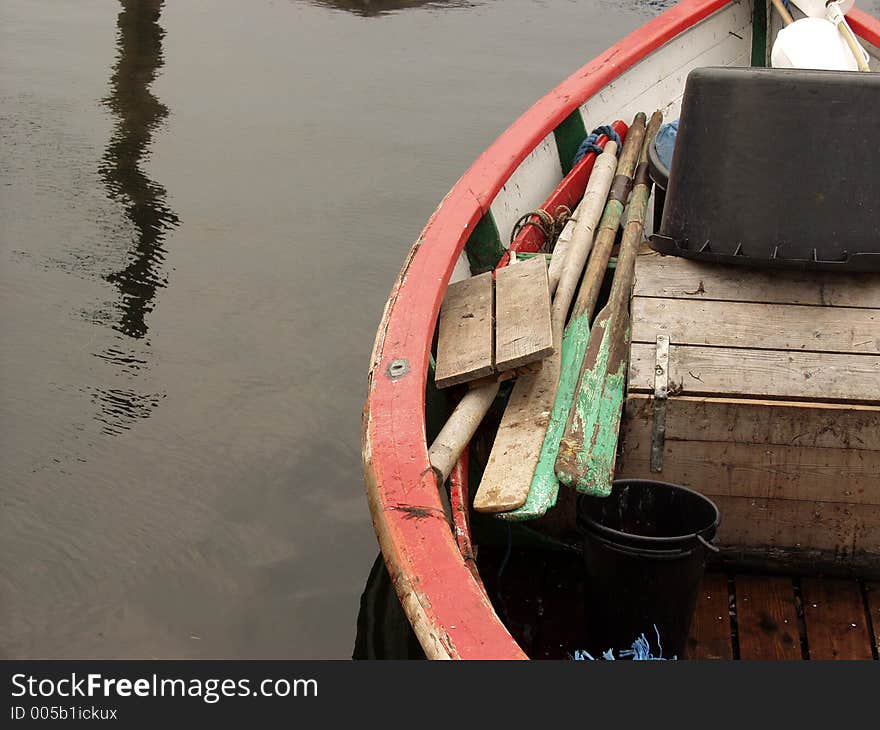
(597, 458)
(544, 488)
(517, 446)
(511, 467)
(587, 452)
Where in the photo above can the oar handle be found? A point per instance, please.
(836, 16)
(783, 12)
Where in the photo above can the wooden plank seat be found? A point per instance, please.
(486, 329)
(773, 406)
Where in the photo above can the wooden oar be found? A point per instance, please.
(545, 486)
(467, 415)
(508, 474)
(783, 12)
(588, 448)
(834, 13)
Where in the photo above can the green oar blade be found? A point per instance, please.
(601, 454)
(573, 453)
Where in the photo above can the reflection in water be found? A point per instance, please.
(138, 114)
(370, 8)
(383, 631)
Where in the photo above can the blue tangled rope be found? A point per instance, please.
(589, 144)
(640, 651)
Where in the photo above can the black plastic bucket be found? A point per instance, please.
(645, 548)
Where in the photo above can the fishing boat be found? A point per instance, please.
(794, 472)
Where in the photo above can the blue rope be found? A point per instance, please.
(640, 651)
(589, 144)
(787, 6)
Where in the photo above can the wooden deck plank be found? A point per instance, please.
(710, 627)
(752, 324)
(679, 278)
(835, 618)
(465, 343)
(760, 373)
(841, 529)
(768, 471)
(873, 592)
(766, 615)
(787, 423)
(522, 314)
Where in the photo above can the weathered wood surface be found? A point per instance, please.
(768, 471)
(835, 527)
(544, 489)
(678, 278)
(717, 371)
(835, 456)
(801, 560)
(522, 314)
(459, 504)
(787, 423)
(710, 627)
(752, 325)
(588, 447)
(460, 427)
(517, 448)
(774, 403)
(465, 342)
(835, 619)
(544, 486)
(766, 617)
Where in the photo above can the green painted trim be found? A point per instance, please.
(759, 34)
(569, 135)
(484, 248)
(545, 486)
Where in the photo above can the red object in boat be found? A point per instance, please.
(568, 193)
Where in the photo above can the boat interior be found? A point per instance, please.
(770, 396)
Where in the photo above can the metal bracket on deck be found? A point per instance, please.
(661, 394)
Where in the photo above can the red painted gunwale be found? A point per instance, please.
(445, 603)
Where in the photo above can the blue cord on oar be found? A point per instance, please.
(589, 144)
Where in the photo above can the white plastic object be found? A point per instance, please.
(812, 43)
(835, 11)
(816, 8)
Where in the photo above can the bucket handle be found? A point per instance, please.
(708, 545)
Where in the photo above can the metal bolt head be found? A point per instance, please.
(397, 368)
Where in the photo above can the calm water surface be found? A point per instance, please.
(204, 205)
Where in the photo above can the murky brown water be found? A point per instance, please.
(203, 207)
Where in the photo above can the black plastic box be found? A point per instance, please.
(776, 167)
